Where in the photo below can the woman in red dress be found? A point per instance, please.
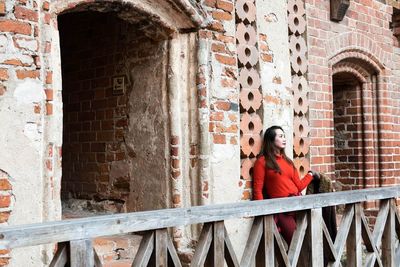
(276, 176)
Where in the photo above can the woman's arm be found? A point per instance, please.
(303, 183)
(258, 179)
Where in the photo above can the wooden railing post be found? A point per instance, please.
(61, 256)
(317, 246)
(269, 246)
(218, 244)
(161, 249)
(81, 253)
(388, 238)
(353, 244)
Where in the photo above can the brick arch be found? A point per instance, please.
(347, 67)
(365, 61)
(179, 15)
(351, 44)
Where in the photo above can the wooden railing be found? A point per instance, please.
(354, 244)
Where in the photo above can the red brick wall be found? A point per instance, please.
(217, 92)
(5, 210)
(348, 137)
(97, 161)
(363, 35)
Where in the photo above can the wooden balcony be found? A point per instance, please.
(265, 247)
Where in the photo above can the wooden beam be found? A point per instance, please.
(173, 254)
(342, 234)
(269, 241)
(97, 261)
(218, 244)
(230, 256)
(145, 250)
(372, 250)
(317, 245)
(353, 244)
(388, 239)
(161, 247)
(328, 244)
(203, 246)
(281, 247)
(377, 233)
(298, 238)
(81, 253)
(61, 256)
(88, 228)
(253, 242)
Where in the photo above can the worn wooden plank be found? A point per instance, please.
(219, 243)
(145, 250)
(203, 246)
(388, 239)
(161, 247)
(81, 253)
(269, 241)
(61, 256)
(97, 261)
(353, 244)
(372, 258)
(342, 234)
(317, 245)
(366, 235)
(298, 238)
(328, 244)
(281, 247)
(252, 242)
(230, 255)
(305, 253)
(381, 221)
(174, 259)
(397, 223)
(87, 228)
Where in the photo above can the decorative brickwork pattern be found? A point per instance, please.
(250, 89)
(299, 65)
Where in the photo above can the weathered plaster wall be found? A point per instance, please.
(275, 67)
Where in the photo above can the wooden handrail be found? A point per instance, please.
(91, 227)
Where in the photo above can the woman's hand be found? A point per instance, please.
(315, 175)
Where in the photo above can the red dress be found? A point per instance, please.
(284, 184)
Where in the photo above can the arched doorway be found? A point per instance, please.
(129, 97)
(356, 124)
(115, 119)
(123, 95)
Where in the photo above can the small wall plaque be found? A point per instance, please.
(119, 85)
(339, 9)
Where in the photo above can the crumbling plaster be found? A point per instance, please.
(276, 75)
(21, 143)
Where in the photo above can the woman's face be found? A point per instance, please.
(280, 139)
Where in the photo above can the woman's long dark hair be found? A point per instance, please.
(268, 150)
